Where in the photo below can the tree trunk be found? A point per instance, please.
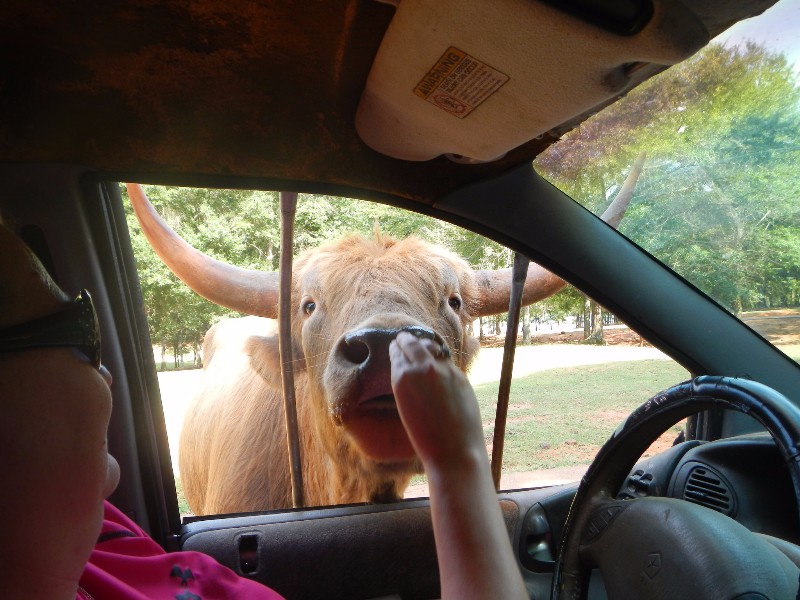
(597, 320)
(587, 317)
(481, 337)
(737, 305)
(163, 357)
(596, 336)
(526, 325)
(196, 350)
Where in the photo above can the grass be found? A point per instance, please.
(183, 505)
(560, 417)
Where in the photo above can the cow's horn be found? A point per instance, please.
(244, 290)
(495, 286)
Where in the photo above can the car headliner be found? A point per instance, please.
(229, 93)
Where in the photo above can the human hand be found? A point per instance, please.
(440, 413)
(437, 404)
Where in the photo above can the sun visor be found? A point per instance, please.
(477, 78)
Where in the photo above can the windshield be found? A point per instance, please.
(718, 138)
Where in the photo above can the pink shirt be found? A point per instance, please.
(127, 564)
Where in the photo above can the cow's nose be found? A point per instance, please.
(371, 344)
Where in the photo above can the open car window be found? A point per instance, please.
(578, 370)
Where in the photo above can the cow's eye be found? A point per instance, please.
(309, 306)
(454, 302)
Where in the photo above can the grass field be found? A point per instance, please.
(560, 417)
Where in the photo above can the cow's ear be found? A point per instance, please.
(265, 358)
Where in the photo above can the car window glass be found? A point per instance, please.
(578, 370)
(719, 138)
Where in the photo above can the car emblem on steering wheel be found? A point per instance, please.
(653, 567)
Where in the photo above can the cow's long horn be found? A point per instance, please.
(495, 285)
(245, 290)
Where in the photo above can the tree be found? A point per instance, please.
(722, 131)
(230, 225)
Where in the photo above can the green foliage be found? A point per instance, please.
(226, 225)
(717, 200)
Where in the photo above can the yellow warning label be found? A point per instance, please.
(458, 83)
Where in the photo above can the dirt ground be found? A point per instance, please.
(614, 336)
(781, 327)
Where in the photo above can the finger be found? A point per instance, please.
(436, 349)
(396, 356)
(412, 347)
(429, 345)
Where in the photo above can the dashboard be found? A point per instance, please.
(742, 477)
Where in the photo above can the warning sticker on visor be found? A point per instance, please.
(458, 83)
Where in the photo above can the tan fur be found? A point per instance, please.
(233, 449)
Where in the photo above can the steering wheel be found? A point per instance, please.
(662, 548)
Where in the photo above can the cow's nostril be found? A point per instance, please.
(355, 350)
(418, 331)
(369, 347)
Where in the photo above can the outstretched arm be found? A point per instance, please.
(440, 413)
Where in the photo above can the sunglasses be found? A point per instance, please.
(75, 326)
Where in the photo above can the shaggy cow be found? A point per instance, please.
(349, 298)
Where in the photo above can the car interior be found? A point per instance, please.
(345, 99)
